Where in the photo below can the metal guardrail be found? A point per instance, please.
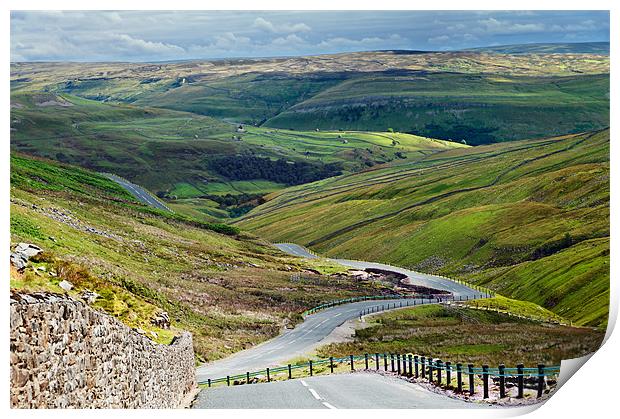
(435, 298)
(486, 291)
(459, 378)
(369, 298)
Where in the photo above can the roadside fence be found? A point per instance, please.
(481, 382)
(423, 299)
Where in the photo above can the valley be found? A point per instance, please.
(491, 167)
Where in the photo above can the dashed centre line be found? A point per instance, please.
(329, 406)
(315, 394)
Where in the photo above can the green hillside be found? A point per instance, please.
(479, 109)
(231, 289)
(184, 155)
(529, 219)
(475, 96)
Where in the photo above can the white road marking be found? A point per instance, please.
(315, 394)
(303, 383)
(329, 406)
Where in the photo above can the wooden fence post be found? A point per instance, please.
(459, 378)
(385, 367)
(228, 379)
(448, 373)
(415, 361)
(247, 377)
(438, 364)
(470, 372)
(366, 360)
(310, 364)
(209, 382)
(502, 381)
(268, 376)
(410, 373)
(430, 369)
(392, 361)
(351, 359)
(331, 364)
(485, 381)
(398, 363)
(423, 367)
(520, 381)
(377, 361)
(541, 380)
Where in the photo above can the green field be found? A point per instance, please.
(479, 109)
(480, 97)
(528, 219)
(489, 166)
(171, 153)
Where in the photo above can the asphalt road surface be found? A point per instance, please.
(138, 192)
(340, 391)
(415, 278)
(305, 337)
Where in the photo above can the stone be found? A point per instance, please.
(65, 285)
(28, 250)
(18, 261)
(162, 319)
(89, 296)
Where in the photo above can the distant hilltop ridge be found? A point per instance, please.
(547, 48)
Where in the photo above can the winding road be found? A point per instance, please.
(138, 192)
(301, 341)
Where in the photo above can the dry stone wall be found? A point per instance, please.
(65, 354)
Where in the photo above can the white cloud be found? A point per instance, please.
(126, 42)
(506, 27)
(289, 40)
(267, 26)
(586, 25)
(368, 43)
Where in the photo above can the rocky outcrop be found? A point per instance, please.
(65, 354)
(22, 253)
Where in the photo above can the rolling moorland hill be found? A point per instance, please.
(409, 91)
(546, 48)
(529, 219)
(229, 288)
(195, 158)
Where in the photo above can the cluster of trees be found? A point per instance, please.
(281, 171)
(474, 135)
(238, 204)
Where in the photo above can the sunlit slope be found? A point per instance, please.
(474, 96)
(185, 155)
(480, 109)
(231, 289)
(529, 219)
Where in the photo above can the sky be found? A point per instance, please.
(181, 35)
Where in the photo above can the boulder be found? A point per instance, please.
(161, 319)
(65, 285)
(18, 261)
(28, 250)
(23, 251)
(89, 296)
